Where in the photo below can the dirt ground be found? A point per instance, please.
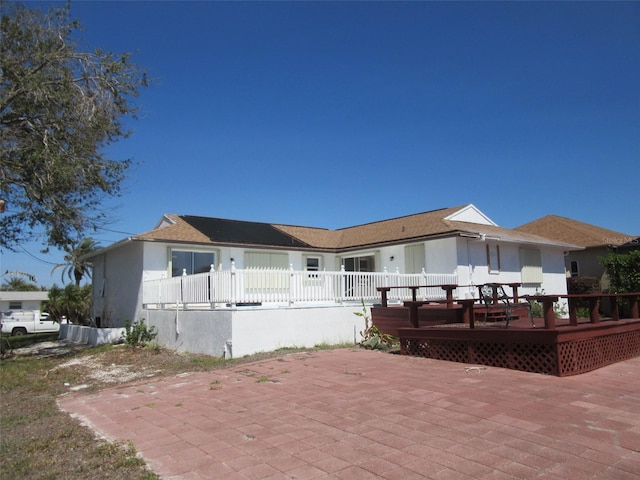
(38, 441)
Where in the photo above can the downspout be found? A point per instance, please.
(470, 271)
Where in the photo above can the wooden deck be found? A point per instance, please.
(448, 330)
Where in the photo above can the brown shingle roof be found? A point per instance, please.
(177, 231)
(414, 227)
(562, 229)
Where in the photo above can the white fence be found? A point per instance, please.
(282, 286)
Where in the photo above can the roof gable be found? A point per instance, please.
(470, 214)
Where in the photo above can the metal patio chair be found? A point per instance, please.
(499, 305)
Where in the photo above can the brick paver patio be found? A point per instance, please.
(357, 414)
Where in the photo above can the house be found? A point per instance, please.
(10, 300)
(597, 242)
(460, 241)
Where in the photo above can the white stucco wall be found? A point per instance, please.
(442, 255)
(266, 330)
(473, 269)
(205, 332)
(240, 332)
(117, 285)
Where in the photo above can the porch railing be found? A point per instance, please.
(287, 286)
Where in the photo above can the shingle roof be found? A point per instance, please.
(562, 229)
(416, 227)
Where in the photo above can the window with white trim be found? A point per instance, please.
(360, 264)
(266, 260)
(191, 261)
(312, 264)
(575, 271)
(414, 258)
(493, 258)
(530, 266)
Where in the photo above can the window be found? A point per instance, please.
(191, 262)
(414, 258)
(312, 264)
(266, 260)
(574, 269)
(359, 264)
(493, 258)
(15, 305)
(530, 266)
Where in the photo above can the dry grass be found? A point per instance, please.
(38, 441)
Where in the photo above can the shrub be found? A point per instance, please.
(372, 337)
(138, 334)
(537, 311)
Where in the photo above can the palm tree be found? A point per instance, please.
(18, 284)
(75, 266)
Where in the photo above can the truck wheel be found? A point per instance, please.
(18, 331)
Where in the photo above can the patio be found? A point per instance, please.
(357, 414)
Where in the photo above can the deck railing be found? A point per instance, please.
(252, 286)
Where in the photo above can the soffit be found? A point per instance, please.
(493, 232)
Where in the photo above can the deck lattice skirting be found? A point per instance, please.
(560, 352)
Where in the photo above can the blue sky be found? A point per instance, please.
(333, 114)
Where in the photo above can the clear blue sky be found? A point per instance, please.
(333, 114)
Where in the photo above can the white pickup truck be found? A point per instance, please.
(20, 322)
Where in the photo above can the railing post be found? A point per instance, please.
(514, 289)
(573, 311)
(383, 292)
(233, 284)
(594, 315)
(291, 287)
(467, 311)
(549, 314)
(413, 293)
(182, 277)
(633, 306)
(210, 293)
(449, 292)
(613, 303)
(343, 286)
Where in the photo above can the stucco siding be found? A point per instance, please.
(117, 292)
(236, 333)
(205, 332)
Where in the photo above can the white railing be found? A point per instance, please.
(254, 286)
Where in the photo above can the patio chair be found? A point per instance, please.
(499, 305)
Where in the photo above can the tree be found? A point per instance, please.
(623, 271)
(75, 266)
(59, 108)
(71, 302)
(18, 284)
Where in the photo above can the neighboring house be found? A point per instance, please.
(597, 242)
(460, 240)
(631, 245)
(22, 300)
